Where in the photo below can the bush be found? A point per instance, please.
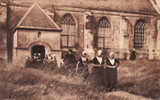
(30, 63)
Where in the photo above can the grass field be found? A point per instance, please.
(140, 78)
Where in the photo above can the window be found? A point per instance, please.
(69, 31)
(104, 35)
(139, 34)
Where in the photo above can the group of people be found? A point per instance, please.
(36, 61)
(101, 70)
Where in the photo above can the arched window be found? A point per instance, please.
(69, 31)
(104, 34)
(139, 34)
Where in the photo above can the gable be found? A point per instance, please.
(36, 18)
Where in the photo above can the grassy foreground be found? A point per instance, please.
(139, 77)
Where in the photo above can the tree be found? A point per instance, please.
(9, 33)
(7, 4)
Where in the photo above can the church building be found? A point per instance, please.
(111, 25)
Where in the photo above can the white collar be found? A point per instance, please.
(112, 61)
(83, 58)
(99, 59)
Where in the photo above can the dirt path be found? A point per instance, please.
(126, 95)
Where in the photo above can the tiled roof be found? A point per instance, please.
(36, 18)
(137, 6)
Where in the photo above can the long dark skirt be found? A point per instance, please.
(96, 78)
(111, 77)
(83, 71)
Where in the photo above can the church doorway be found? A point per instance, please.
(38, 53)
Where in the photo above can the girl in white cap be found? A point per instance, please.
(82, 65)
(83, 61)
(111, 71)
(97, 75)
(99, 59)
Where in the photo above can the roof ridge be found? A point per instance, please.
(25, 15)
(153, 3)
(49, 17)
(50, 21)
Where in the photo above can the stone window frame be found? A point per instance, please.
(139, 30)
(104, 26)
(69, 33)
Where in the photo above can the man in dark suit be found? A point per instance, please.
(70, 58)
(70, 62)
(133, 54)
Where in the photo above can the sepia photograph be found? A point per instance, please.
(79, 49)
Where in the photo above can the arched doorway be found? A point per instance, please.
(38, 53)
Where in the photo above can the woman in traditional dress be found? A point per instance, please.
(111, 71)
(82, 65)
(97, 74)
